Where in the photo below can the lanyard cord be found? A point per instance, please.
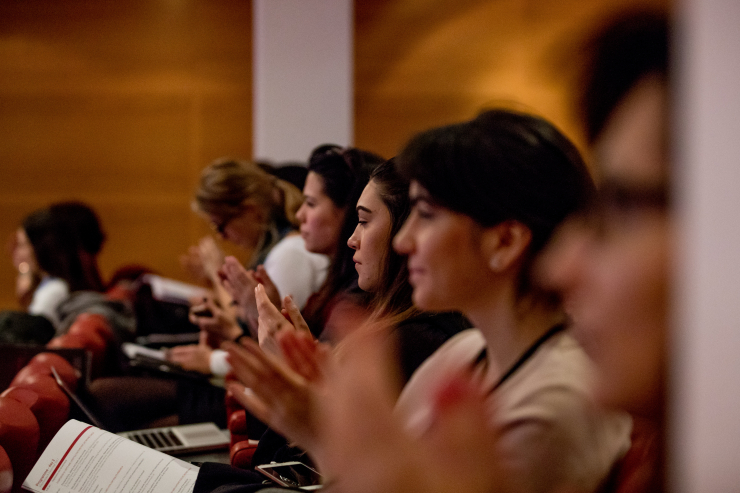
(482, 357)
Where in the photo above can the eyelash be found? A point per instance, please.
(422, 213)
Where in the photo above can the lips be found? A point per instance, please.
(414, 275)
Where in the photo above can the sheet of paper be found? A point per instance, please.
(85, 459)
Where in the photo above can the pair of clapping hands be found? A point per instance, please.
(218, 319)
(338, 406)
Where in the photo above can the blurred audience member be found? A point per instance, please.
(613, 264)
(55, 252)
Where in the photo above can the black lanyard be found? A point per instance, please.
(523, 358)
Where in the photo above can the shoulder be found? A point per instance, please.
(51, 289)
(293, 247)
(548, 403)
(456, 355)
(559, 367)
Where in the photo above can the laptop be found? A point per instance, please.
(173, 440)
(154, 360)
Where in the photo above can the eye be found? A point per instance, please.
(424, 210)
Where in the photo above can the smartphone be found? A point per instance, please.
(292, 474)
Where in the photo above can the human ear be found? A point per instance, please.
(505, 243)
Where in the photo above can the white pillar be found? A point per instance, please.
(704, 448)
(303, 76)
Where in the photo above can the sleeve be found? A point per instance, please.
(218, 364)
(47, 297)
(294, 270)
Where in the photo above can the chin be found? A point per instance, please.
(422, 302)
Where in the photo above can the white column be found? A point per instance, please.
(704, 447)
(303, 76)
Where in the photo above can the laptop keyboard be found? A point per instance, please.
(156, 439)
(181, 439)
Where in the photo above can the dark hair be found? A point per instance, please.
(502, 165)
(290, 171)
(344, 172)
(85, 223)
(625, 51)
(393, 295)
(65, 238)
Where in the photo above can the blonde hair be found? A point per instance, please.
(226, 185)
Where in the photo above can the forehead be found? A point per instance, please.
(632, 146)
(314, 184)
(370, 198)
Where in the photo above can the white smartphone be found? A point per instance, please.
(292, 474)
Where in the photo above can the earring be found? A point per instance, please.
(494, 263)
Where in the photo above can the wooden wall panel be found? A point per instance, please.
(120, 104)
(426, 63)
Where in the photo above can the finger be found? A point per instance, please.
(252, 366)
(229, 287)
(249, 400)
(295, 314)
(266, 309)
(261, 275)
(273, 368)
(175, 351)
(277, 389)
(212, 305)
(243, 365)
(203, 338)
(300, 354)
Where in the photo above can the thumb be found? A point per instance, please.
(203, 338)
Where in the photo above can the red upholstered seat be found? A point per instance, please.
(242, 448)
(6, 472)
(241, 453)
(51, 407)
(238, 426)
(42, 363)
(19, 433)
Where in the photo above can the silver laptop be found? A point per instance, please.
(173, 440)
(181, 439)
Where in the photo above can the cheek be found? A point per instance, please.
(309, 222)
(452, 270)
(621, 320)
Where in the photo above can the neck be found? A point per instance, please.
(511, 326)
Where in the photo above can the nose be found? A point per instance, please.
(354, 241)
(561, 265)
(301, 214)
(402, 241)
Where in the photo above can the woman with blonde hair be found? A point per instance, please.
(256, 211)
